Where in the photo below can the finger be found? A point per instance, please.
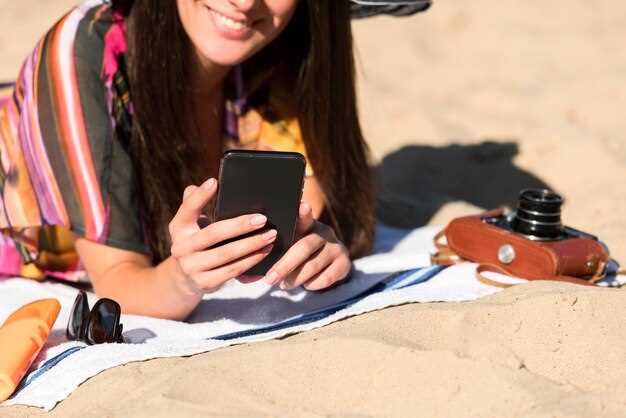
(188, 191)
(316, 264)
(333, 274)
(300, 252)
(225, 254)
(192, 205)
(305, 219)
(218, 232)
(214, 279)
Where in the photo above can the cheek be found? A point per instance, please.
(185, 12)
(191, 13)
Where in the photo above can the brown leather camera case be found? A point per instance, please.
(475, 240)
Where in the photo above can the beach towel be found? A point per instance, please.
(399, 272)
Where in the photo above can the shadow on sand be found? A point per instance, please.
(414, 182)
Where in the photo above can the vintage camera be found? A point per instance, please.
(538, 218)
(529, 242)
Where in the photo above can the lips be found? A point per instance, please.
(229, 22)
(230, 27)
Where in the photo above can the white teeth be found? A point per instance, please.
(229, 23)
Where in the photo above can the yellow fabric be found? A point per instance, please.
(272, 127)
(55, 251)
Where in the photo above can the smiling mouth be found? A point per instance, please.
(230, 23)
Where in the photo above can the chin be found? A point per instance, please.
(229, 54)
(227, 58)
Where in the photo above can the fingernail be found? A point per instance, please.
(269, 235)
(271, 277)
(258, 220)
(209, 183)
(283, 286)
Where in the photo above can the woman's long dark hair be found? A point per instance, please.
(315, 56)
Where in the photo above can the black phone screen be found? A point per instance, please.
(270, 183)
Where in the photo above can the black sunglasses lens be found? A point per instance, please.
(118, 335)
(103, 322)
(78, 317)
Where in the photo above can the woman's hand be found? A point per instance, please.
(316, 261)
(206, 264)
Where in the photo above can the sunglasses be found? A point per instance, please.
(99, 325)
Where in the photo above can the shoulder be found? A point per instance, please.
(80, 36)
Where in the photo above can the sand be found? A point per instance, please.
(462, 106)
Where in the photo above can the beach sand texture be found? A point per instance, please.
(462, 106)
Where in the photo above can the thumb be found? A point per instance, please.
(305, 219)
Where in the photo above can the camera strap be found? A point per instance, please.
(492, 268)
(444, 256)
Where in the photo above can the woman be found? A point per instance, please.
(111, 142)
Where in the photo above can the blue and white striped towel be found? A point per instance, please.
(398, 273)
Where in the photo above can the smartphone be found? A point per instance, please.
(266, 182)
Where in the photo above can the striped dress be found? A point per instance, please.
(64, 169)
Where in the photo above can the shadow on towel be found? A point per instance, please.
(270, 305)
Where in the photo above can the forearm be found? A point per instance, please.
(161, 291)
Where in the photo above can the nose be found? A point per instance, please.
(244, 5)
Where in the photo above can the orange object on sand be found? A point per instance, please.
(22, 337)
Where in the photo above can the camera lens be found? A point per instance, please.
(538, 214)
